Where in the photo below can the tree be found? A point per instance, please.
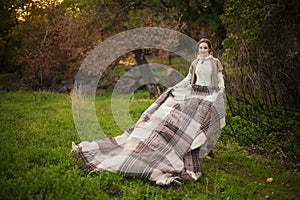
(262, 74)
(261, 47)
(31, 44)
(8, 21)
(53, 44)
(195, 18)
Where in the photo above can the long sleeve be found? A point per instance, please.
(220, 80)
(185, 82)
(220, 76)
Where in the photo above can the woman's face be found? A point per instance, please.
(203, 49)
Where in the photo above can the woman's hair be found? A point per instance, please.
(208, 42)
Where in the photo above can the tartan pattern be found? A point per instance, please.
(167, 143)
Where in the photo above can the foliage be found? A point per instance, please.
(45, 41)
(36, 131)
(261, 57)
(51, 58)
(275, 133)
(7, 22)
(12, 14)
(199, 18)
(263, 78)
(262, 50)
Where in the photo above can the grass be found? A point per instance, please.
(36, 131)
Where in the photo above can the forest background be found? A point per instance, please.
(43, 43)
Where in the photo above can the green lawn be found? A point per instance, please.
(36, 131)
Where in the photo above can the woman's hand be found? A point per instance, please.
(222, 90)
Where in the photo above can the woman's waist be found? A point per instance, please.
(203, 88)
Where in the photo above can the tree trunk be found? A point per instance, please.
(146, 73)
(2, 62)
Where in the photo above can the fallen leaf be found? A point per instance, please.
(269, 180)
(208, 157)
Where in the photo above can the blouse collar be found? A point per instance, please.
(206, 58)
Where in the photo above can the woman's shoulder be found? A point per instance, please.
(194, 62)
(215, 59)
(218, 63)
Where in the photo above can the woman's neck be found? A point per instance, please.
(204, 56)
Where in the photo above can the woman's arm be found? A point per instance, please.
(220, 76)
(221, 84)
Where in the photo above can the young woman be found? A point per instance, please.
(170, 140)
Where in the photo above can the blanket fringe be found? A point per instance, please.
(84, 167)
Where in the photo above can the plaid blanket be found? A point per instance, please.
(169, 141)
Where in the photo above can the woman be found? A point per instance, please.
(169, 141)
